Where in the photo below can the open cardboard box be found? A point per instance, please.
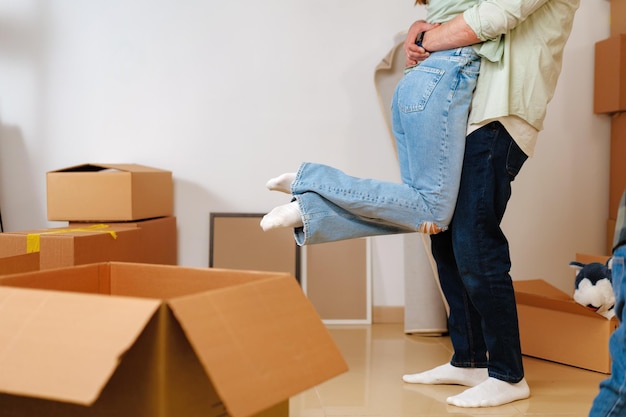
(555, 327)
(126, 339)
(148, 241)
(109, 193)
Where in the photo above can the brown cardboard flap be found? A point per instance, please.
(255, 342)
(539, 293)
(386, 76)
(155, 281)
(65, 346)
(20, 263)
(89, 279)
(588, 258)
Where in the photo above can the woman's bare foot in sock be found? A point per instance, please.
(491, 393)
(287, 215)
(281, 183)
(448, 374)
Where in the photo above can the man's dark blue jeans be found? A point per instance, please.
(473, 259)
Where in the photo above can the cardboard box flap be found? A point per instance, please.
(65, 346)
(19, 263)
(539, 293)
(259, 343)
(106, 167)
(589, 258)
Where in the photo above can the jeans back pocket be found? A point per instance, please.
(417, 86)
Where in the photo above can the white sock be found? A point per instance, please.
(491, 393)
(282, 183)
(448, 374)
(287, 215)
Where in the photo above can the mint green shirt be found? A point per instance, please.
(517, 89)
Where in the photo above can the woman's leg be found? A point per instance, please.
(430, 117)
(430, 111)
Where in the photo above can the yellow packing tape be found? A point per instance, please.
(33, 239)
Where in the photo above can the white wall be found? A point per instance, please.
(227, 94)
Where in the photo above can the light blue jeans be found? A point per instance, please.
(611, 400)
(429, 116)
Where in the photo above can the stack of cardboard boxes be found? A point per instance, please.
(610, 99)
(90, 336)
(552, 325)
(114, 212)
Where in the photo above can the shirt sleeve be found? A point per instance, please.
(492, 18)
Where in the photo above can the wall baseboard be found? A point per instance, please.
(387, 314)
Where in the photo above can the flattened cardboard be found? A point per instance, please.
(339, 290)
(556, 328)
(203, 342)
(109, 193)
(386, 76)
(150, 241)
(237, 242)
(610, 75)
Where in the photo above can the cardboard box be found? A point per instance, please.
(158, 240)
(556, 328)
(109, 193)
(588, 258)
(617, 167)
(149, 241)
(610, 75)
(125, 339)
(618, 17)
(21, 263)
(610, 234)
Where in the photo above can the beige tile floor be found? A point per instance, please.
(378, 355)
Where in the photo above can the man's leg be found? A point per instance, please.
(473, 263)
(468, 365)
(492, 160)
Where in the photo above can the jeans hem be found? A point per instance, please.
(506, 378)
(469, 364)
